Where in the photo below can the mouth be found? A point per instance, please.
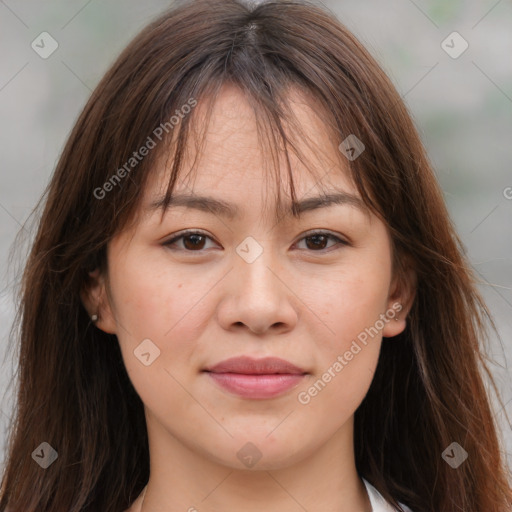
(264, 378)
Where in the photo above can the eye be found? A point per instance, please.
(317, 240)
(195, 241)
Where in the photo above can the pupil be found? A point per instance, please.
(196, 242)
(316, 238)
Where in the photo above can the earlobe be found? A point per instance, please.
(96, 302)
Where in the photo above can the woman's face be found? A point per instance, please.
(250, 285)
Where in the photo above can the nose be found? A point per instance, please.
(258, 297)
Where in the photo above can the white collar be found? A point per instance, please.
(379, 504)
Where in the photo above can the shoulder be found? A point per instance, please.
(379, 504)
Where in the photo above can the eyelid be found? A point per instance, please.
(326, 233)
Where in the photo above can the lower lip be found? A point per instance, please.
(256, 386)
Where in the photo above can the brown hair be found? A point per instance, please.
(74, 392)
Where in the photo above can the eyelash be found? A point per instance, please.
(183, 234)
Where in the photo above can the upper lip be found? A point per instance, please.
(250, 366)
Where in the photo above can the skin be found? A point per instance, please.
(302, 302)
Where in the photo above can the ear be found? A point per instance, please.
(400, 301)
(96, 301)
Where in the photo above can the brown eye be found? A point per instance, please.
(193, 241)
(190, 241)
(319, 241)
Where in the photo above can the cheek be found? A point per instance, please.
(352, 301)
(154, 302)
(155, 315)
(348, 352)
(151, 295)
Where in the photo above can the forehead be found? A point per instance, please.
(235, 166)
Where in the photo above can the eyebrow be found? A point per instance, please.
(230, 210)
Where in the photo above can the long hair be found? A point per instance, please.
(73, 390)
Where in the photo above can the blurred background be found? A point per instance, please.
(449, 59)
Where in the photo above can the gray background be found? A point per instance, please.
(462, 106)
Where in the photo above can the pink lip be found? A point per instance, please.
(256, 378)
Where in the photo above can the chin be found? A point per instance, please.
(254, 453)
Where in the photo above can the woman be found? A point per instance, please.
(194, 337)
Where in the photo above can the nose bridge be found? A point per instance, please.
(253, 266)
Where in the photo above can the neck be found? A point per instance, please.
(183, 480)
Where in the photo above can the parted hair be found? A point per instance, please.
(73, 391)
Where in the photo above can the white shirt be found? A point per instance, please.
(379, 504)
